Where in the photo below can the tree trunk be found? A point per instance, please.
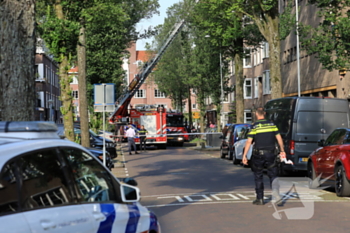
(239, 88)
(270, 31)
(65, 80)
(17, 60)
(275, 68)
(218, 116)
(83, 105)
(190, 121)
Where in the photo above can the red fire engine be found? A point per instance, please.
(154, 120)
(175, 124)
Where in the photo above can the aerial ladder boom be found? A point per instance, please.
(124, 99)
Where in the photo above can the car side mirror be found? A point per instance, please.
(129, 193)
(129, 181)
(320, 142)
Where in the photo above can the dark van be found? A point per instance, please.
(302, 121)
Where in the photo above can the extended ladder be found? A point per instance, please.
(124, 99)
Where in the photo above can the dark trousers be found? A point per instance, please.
(143, 143)
(131, 142)
(259, 162)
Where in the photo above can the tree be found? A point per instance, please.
(330, 39)
(265, 15)
(17, 60)
(231, 32)
(63, 26)
(189, 62)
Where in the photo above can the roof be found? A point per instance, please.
(141, 55)
(74, 70)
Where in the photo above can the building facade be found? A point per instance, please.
(47, 86)
(149, 93)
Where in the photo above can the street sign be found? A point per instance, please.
(196, 115)
(104, 97)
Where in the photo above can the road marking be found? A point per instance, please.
(192, 200)
(177, 198)
(233, 197)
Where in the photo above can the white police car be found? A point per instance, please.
(52, 185)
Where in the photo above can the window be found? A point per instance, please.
(266, 82)
(93, 181)
(140, 93)
(247, 62)
(258, 53)
(256, 87)
(8, 190)
(254, 56)
(159, 94)
(232, 96)
(194, 106)
(75, 94)
(247, 88)
(74, 80)
(248, 116)
(44, 183)
(265, 50)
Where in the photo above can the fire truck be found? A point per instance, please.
(175, 124)
(154, 119)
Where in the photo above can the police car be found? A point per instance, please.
(52, 185)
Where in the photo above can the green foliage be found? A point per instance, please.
(330, 40)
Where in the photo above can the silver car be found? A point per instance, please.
(52, 185)
(239, 148)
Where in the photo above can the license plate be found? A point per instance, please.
(170, 138)
(303, 159)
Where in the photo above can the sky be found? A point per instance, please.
(154, 21)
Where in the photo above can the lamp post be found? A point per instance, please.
(298, 53)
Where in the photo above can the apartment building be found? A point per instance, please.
(47, 87)
(148, 94)
(314, 80)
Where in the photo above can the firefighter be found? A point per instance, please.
(264, 134)
(142, 133)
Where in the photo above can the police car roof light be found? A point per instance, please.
(27, 126)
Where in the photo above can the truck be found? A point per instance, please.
(154, 120)
(175, 128)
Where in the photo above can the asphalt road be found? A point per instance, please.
(196, 191)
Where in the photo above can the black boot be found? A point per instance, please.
(258, 202)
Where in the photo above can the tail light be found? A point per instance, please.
(292, 147)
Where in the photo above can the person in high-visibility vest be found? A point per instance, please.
(142, 133)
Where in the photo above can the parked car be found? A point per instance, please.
(239, 147)
(302, 121)
(98, 153)
(228, 140)
(330, 163)
(52, 185)
(106, 134)
(95, 140)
